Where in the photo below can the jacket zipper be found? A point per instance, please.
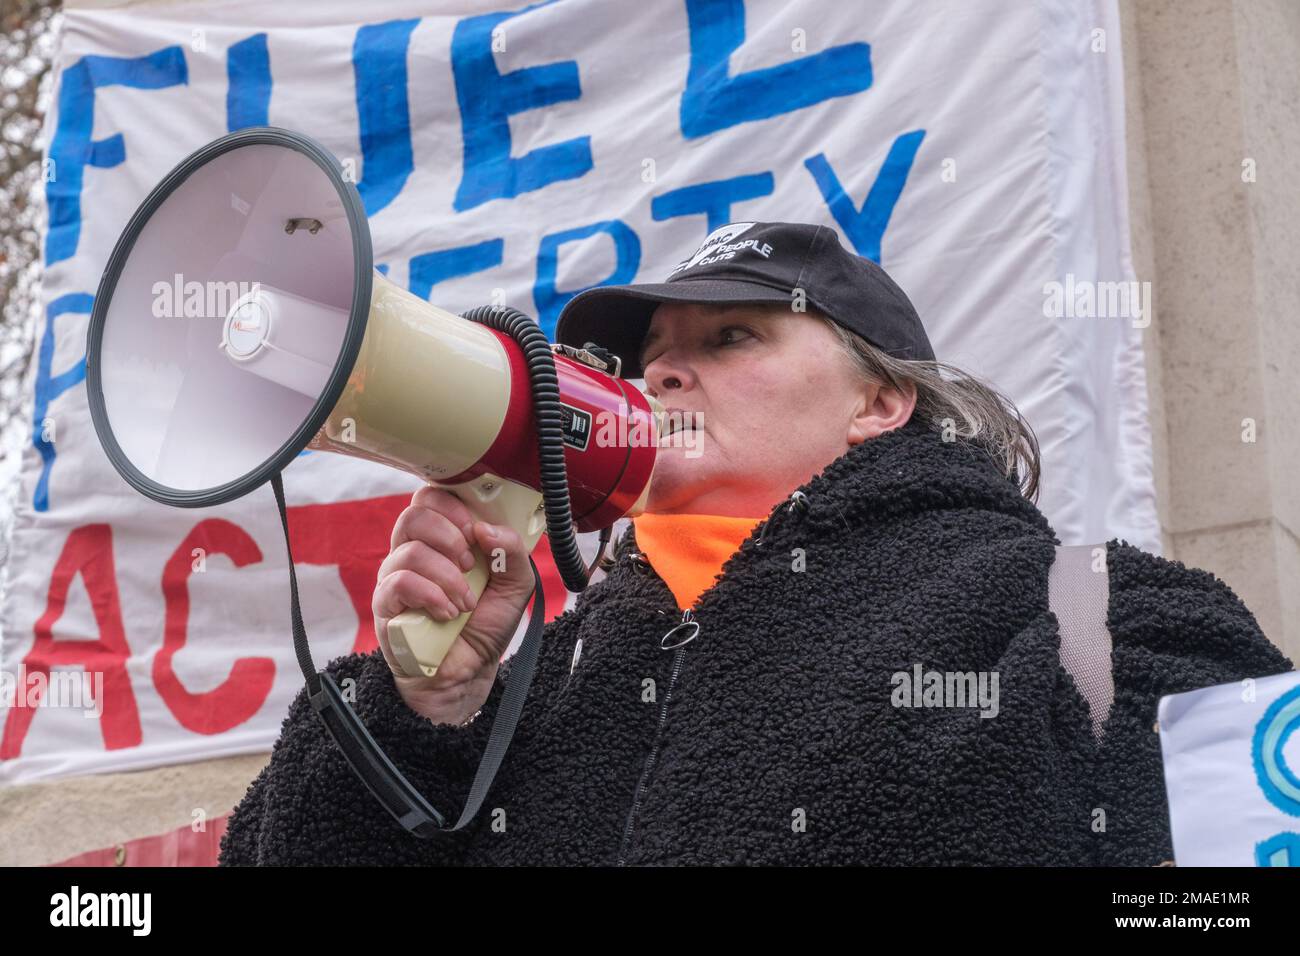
(797, 499)
(688, 618)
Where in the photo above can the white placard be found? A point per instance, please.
(1231, 753)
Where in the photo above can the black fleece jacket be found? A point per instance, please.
(771, 738)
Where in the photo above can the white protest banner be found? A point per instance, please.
(520, 154)
(1231, 753)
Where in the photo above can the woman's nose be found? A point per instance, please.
(665, 372)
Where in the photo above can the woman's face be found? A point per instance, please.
(776, 396)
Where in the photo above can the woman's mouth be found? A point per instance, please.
(677, 420)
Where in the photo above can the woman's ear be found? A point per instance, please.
(883, 408)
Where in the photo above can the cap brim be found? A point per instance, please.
(616, 317)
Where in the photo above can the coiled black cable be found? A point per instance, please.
(550, 439)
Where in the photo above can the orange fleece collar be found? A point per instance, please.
(688, 551)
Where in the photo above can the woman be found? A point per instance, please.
(854, 517)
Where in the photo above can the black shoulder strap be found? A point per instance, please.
(1078, 593)
(364, 755)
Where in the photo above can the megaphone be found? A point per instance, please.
(240, 321)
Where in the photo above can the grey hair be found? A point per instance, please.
(959, 405)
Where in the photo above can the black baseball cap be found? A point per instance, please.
(749, 262)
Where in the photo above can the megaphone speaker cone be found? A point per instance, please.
(229, 317)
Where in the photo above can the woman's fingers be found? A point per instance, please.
(403, 589)
(432, 549)
(430, 513)
(435, 566)
(436, 530)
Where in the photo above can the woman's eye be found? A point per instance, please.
(723, 339)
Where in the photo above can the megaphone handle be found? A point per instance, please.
(417, 640)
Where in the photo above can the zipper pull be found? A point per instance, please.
(796, 499)
(682, 634)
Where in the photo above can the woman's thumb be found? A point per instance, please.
(507, 562)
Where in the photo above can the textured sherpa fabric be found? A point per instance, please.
(770, 738)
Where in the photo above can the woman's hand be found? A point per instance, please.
(426, 569)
